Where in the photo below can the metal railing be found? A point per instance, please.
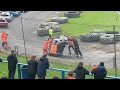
(62, 71)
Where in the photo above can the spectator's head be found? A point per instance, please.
(70, 73)
(12, 52)
(81, 64)
(55, 77)
(43, 57)
(93, 64)
(101, 63)
(32, 57)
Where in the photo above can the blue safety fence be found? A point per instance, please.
(63, 71)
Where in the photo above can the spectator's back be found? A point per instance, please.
(43, 64)
(81, 71)
(12, 61)
(100, 72)
(32, 67)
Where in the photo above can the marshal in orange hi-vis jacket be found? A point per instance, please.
(53, 49)
(4, 37)
(45, 47)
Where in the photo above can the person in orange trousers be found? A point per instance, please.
(4, 39)
(45, 47)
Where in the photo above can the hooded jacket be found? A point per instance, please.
(81, 72)
(32, 67)
(12, 61)
(99, 73)
(43, 64)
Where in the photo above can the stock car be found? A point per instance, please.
(7, 16)
(61, 41)
(3, 22)
(15, 13)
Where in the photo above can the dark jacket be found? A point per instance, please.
(76, 45)
(59, 47)
(99, 73)
(12, 61)
(32, 67)
(43, 64)
(81, 72)
(75, 41)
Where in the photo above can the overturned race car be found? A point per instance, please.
(57, 47)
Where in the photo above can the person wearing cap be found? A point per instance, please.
(12, 61)
(32, 67)
(94, 66)
(43, 65)
(70, 75)
(100, 72)
(81, 71)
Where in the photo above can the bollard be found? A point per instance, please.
(16, 49)
(63, 74)
(19, 71)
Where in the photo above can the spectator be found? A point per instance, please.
(55, 77)
(12, 61)
(43, 64)
(32, 67)
(70, 75)
(81, 71)
(100, 72)
(94, 66)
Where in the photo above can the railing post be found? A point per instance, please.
(19, 71)
(63, 74)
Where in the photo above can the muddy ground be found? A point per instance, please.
(92, 52)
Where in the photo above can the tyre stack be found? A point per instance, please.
(72, 14)
(117, 37)
(104, 37)
(91, 37)
(107, 39)
(44, 27)
(60, 20)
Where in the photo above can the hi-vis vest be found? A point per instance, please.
(51, 32)
(4, 37)
(53, 49)
(45, 45)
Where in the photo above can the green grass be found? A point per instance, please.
(50, 73)
(98, 20)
